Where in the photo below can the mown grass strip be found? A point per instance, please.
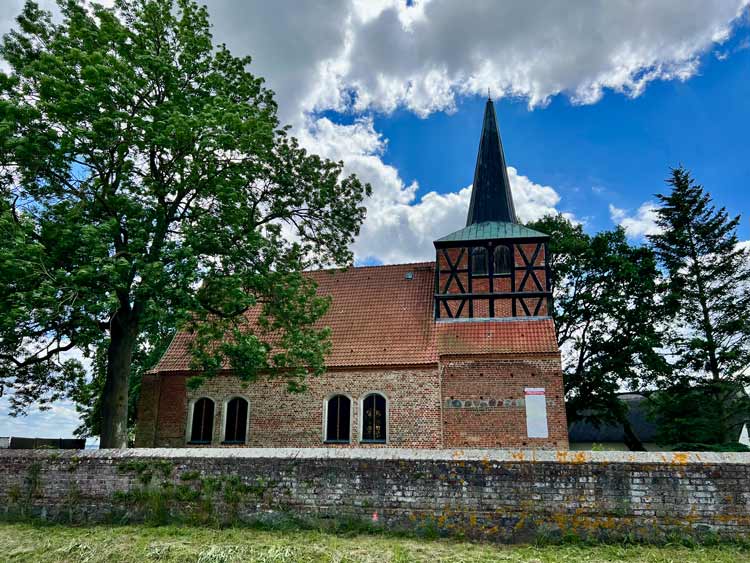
(30, 542)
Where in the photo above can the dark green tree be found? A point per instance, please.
(708, 296)
(147, 183)
(606, 314)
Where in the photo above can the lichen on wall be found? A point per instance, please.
(497, 495)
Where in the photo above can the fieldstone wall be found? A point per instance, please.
(498, 495)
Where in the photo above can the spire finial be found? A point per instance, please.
(489, 97)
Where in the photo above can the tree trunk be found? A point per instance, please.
(115, 398)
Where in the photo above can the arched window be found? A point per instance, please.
(503, 259)
(338, 418)
(235, 429)
(374, 418)
(479, 261)
(202, 427)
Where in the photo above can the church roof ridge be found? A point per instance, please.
(420, 264)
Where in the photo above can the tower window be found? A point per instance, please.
(201, 430)
(338, 419)
(235, 429)
(479, 261)
(374, 418)
(503, 259)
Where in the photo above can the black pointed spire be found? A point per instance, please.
(491, 199)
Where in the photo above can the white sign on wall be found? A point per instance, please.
(536, 412)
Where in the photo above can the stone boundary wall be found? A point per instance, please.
(498, 495)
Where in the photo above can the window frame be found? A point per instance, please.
(475, 250)
(511, 259)
(362, 439)
(225, 415)
(325, 418)
(191, 415)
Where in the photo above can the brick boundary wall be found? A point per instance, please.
(499, 495)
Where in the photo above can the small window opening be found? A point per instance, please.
(236, 428)
(374, 419)
(338, 417)
(479, 261)
(203, 421)
(503, 258)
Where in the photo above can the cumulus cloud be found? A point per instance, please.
(59, 421)
(368, 54)
(360, 56)
(421, 56)
(401, 226)
(639, 224)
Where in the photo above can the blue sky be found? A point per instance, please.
(595, 100)
(617, 151)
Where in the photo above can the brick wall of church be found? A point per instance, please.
(479, 403)
(278, 418)
(484, 403)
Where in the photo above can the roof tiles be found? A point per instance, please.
(380, 317)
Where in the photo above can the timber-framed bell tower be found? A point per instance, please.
(494, 267)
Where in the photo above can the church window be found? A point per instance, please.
(503, 259)
(202, 426)
(374, 418)
(479, 261)
(338, 419)
(235, 429)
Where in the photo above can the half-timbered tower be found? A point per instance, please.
(494, 267)
(462, 353)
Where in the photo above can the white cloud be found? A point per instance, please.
(363, 55)
(422, 57)
(59, 421)
(360, 55)
(390, 55)
(400, 227)
(639, 224)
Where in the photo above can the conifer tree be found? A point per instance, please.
(606, 315)
(708, 295)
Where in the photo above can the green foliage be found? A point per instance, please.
(708, 298)
(147, 469)
(606, 314)
(190, 475)
(147, 185)
(686, 416)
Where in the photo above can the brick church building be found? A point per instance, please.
(462, 352)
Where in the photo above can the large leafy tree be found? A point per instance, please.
(708, 294)
(607, 316)
(146, 182)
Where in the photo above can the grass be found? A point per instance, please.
(30, 542)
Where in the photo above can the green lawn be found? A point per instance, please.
(25, 542)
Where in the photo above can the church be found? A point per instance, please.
(460, 352)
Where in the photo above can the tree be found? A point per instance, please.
(147, 183)
(708, 295)
(606, 315)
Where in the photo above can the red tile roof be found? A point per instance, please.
(378, 317)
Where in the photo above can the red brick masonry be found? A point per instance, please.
(447, 384)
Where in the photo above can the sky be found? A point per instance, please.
(596, 100)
